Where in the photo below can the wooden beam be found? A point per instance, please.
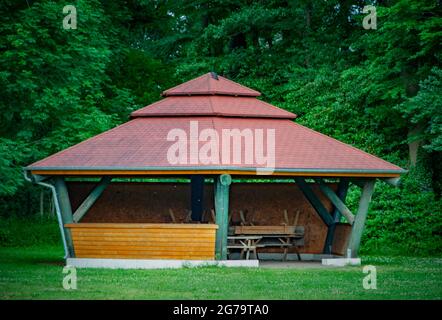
(361, 216)
(342, 194)
(91, 198)
(196, 197)
(222, 183)
(314, 201)
(64, 204)
(333, 197)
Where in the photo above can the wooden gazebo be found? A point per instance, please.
(203, 112)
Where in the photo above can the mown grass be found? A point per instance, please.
(36, 273)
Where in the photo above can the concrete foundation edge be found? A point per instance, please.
(155, 264)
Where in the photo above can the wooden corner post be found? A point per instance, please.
(361, 216)
(221, 191)
(64, 204)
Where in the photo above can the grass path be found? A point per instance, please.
(36, 273)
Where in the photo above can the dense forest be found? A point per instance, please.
(378, 89)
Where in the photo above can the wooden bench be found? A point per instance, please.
(246, 244)
(269, 230)
(284, 236)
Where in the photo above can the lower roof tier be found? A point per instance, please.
(211, 145)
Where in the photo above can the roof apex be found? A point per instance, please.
(211, 84)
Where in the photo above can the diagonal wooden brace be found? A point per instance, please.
(333, 197)
(91, 198)
(314, 201)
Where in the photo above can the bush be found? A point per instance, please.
(30, 231)
(404, 220)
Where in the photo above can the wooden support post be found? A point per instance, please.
(361, 216)
(65, 210)
(314, 201)
(196, 197)
(222, 184)
(342, 194)
(42, 198)
(91, 198)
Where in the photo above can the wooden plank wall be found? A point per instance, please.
(144, 241)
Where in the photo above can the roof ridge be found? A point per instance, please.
(208, 81)
(276, 107)
(211, 104)
(149, 105)
(239, 84)
(191, 80)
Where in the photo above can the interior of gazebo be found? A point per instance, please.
(265, 220)
(207, 217)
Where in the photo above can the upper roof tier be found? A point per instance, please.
(211, 84)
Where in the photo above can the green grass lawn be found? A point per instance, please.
(36, 273)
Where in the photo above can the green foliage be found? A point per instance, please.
(425, 109)
(404, 220)
(29, 231)
(53, 82)
(11, 155)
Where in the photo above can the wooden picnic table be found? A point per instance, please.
(285, 236)
(245, 243)
(284, 241)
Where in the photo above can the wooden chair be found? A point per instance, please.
(187, 219)
(244, 216)
(286, 219)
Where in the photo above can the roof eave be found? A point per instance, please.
(375, 173)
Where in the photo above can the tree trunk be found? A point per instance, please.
(413, 146)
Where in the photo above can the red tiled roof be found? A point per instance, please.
(142, 144)
(226, 106)
(209, 84)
